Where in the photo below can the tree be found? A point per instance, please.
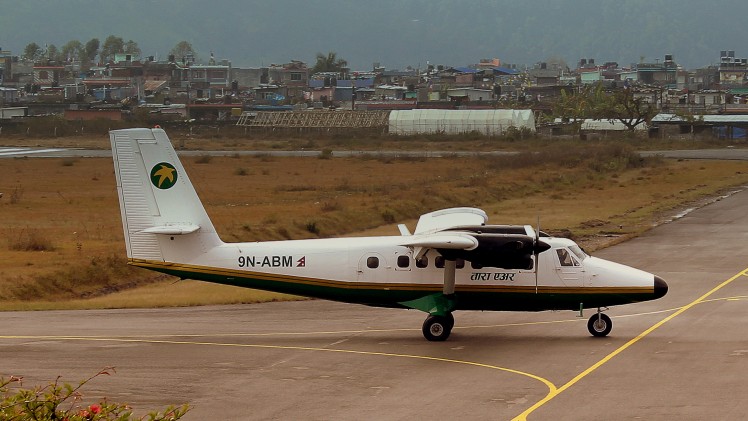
(52, 53)
(32, 52)
(112, 45)
(131, 47)
(579, 104)
(624, 107)
(72, 51)
(594, 102)
(329, 63)
(183, 49)
(91, 50)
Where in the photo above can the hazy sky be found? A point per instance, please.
(395, 33)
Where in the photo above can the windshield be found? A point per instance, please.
(578, 252)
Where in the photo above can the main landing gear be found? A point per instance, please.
(599, 324)
(438, 328)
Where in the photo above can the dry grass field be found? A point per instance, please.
(61, 240)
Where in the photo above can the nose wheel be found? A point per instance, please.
(599, 324)
(437, 328)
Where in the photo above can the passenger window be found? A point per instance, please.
(422, 262)
(439, 261)
(403, 261)
(372, 262)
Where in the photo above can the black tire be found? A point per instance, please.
(599, 325)
(437, 328)
(450, 320)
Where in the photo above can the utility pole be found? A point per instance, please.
(353, 95)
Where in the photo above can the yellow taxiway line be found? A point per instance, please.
(553, 390)
(585, 373)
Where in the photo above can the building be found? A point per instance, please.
(470, 94)
(487, 122)
(733, 72)
(543, 76)
(662, 74)
(202, 81)
(48, 76)
(5, 62)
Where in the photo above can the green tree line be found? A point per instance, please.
(94, 52)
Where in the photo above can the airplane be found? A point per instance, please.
(453, 260)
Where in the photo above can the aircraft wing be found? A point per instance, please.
(462, 233)
(442, 241)
(508, 251)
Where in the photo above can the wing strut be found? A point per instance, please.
(450, 268)
(536, 254)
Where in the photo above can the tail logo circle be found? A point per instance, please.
(164, 175)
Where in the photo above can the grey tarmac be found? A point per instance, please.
(682, 357)
(728, 153)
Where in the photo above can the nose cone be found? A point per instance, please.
(660, 287)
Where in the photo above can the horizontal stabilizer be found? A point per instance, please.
(172, 229)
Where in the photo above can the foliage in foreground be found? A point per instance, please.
(58, 401)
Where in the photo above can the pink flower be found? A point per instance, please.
(95, 409)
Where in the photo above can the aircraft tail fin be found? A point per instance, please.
(162, 216)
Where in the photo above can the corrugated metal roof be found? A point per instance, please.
(153, 85)
(505, 70)
(343, 83)
(466, 70)
(709, 119)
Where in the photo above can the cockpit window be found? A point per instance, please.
(565, 257)
(578, 252)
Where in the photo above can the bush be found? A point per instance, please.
(312, 227)
(388, 217)
(65, 402)
(203, 159)
(28, 240)
(15, 195)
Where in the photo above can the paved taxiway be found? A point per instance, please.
(38, 152)
(683, 357)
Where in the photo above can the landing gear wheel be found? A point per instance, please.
(599, 325)
(438, 328)
(450, 320)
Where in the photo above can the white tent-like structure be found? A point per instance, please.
(487, 122)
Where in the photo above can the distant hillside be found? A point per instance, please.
(395, 33)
